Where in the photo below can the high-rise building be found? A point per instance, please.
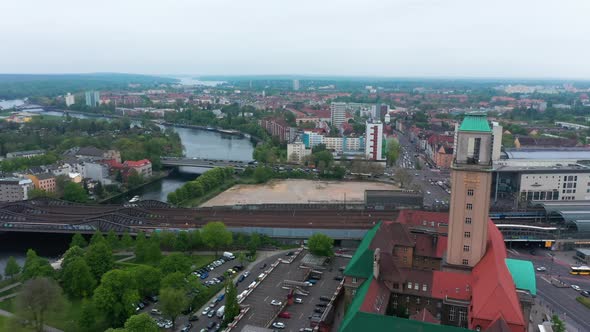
(471, 180)
(92, 98)
(70, 100)
(374, 140)
(496, 141)
(337, 113)
(296, 85)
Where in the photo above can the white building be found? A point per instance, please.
(15, 189)
(296, 85)
(374, 141)
(97, 171)
(92, 98)
(70, 100)
(296, 152)
(337, 113)
(496, 140)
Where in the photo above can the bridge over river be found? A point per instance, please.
(203, 163)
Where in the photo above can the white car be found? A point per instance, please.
(541, 269)
(278, 325)
(576, 287)
(275, 302)
(298, 300)
(246, 274)
(205, 311)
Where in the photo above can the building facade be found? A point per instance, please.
(142, 167)
(296, 152)
(278, 128)
(337, 113)
(70, 99)
(92, 98)
(374, 140)
(44, 181)
(15, 189)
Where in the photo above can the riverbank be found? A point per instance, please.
(162, 175)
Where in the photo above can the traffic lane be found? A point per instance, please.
(562, 303)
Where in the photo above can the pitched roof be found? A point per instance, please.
(523, 274)
(425, 316)
(90, 151)
(475, 122)
(357, 320)
(361, 263)
(138, 163)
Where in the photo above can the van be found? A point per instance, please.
(221, 311)
(260, 276)
(229, 255)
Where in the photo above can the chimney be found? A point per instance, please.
(376, 259)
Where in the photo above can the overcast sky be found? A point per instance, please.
(448, 38)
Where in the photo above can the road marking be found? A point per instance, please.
(546, 279)
(266, 298)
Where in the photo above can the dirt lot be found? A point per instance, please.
(296, 192)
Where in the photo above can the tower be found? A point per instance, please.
(471, 179)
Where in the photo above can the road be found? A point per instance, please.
(562, 301)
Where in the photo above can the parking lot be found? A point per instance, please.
(262, 313)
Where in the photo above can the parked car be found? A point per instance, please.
(204, 275)
(576, 287)
(205, 311)
(325, 298)
(541, 269)
(323, 305)
(211, 313)
(187, 327)
(246, 274)
(339, 278)
(156, 312)
(318, 310)
(193, 317)
(298, 300)
(585, 293)
(278, 325)
(275, 302)
(241, 278)
(210, 324)
(290, 253)
(285, 314)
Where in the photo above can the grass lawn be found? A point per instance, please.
(120, 256)
(584, 300)
(197, 260)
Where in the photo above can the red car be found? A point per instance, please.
(285, 315)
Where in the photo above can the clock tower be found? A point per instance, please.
(471, 180)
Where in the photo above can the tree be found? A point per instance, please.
(38, 297)
(96, 237)
(98, 189)
(182, 241)
(262, 174)
(77, 279)
(195, 240)
(12, 268)
(175, 262)
(126, 241)
(253, 244)
(402, 177)
(241, 258)
(78, 240)
(74, 192)
(87, 316)
(172, 302)
(147, 279)
(112, 239)
(232, 308)
(141, 323)
(321, 245)
(36, 266)
(393, 151)
(174, 280)
(99, 258)
(134, 179)
(116, 296)
(557, 324)
(216, 236)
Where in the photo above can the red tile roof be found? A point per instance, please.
(377, 298)
(138, 163)
(450, 284)
(425, 316)
(424, 219)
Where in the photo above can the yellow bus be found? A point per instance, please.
(580, 270)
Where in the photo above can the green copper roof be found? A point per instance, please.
(523, 274)
(361, 264)
(475, 122)
(356, 320)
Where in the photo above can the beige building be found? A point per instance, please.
(471, 179)
(296, 152)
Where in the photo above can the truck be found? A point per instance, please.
(229, 255)
(221, 311)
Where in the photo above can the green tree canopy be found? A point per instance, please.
(175, 262)
(172, 302)
(74, 192)
(321, 245)
(77, 279)
(12, 268)
(39, 297)
(147, 279)
(36, 266)
(117, 296)
(97, 237)
(78, 240)
(112, 239)
(141, 323)
(126, 241)
(232, 308)
(100, 259)
(216, 236)
(175, 280)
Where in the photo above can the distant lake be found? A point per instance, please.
(192, 81)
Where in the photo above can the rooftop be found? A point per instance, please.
(579, 153)
(523, 274)
(475, 122)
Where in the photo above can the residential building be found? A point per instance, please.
(496, 141)
(296, 152)
(374, 140)
(337, 113)
(296, 85)
(15, 189)
(43, 181)
(278, 128)
(438, 268)
(97, 171)
(90, 153)
(569, 125)
(142, 167)
(521, 142)
(25, 154)
(311, 139)
(92, 98)
(70, 100)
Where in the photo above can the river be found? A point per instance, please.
(196, 144)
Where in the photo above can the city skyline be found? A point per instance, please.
(432, 39)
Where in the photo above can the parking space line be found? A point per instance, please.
(266, 298)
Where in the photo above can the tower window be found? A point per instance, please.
(354, 280)
(409, 285)
(466, 248)
(465, 262)
(468, 220)
(467, 234)
(469, 192)
(469, 206)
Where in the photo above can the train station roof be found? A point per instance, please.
(577, 212)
